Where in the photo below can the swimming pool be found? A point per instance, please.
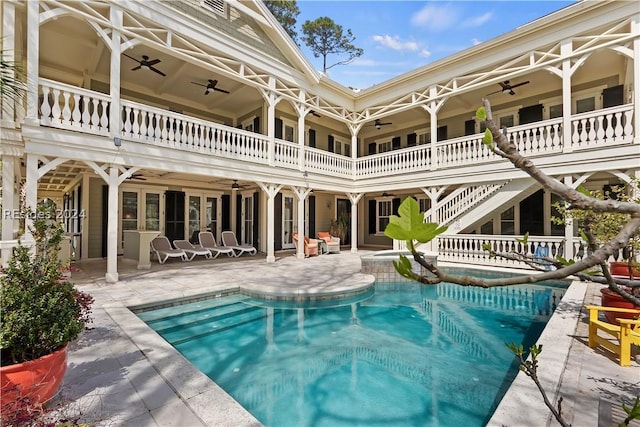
(406, 354)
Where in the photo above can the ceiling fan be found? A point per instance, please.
(378, 124)
(506, 87)
(312, 112)
(235, 186)
(211, 86)
(146, 64)
(138, 176)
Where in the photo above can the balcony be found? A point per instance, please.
(71, 108)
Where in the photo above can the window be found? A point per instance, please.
(383, 147)
(338, 147)
(487, 228)
(508, 221)
(555, 111)
(347, 150)
(424, 137)
(289, 134)
(424, 204)
(586, 104)
(384, 211)
(507, 121)
(217, 6)
(556, 229)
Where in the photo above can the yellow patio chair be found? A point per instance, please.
(619, 337)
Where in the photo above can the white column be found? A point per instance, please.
(8, 197)
(112, 227)
(354, 198)
(301, 135)
(84, 230)
(31, 194)
(635, 29)
(115, 121)
(301, 193)
(568, 227)
(33, 55)
(565, 50)
(271, 190)
(432, 108)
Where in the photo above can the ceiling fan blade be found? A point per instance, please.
(154, 62)
(157, 71)
(221, 90)
(493, 93)
(130, 57)
(511, 92)
(520, 84)
(199, 84)
(136, 68)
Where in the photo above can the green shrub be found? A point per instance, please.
(41, 311)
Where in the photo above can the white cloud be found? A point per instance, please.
(424, 53)
(477, 21)
(394, 42)
(475, 41)
(436, 17)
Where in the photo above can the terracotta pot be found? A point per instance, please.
(36, 379)
(621, 269)
(611, 299)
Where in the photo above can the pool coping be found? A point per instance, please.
(521, 405)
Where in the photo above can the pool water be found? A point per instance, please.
(404, 355)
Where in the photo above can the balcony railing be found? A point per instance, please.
(68, 107)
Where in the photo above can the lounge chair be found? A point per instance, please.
(208, 241)
(310, 245)
(620, 337)
(333, 243)
(163, 250)
(229, 240)
(191, 250)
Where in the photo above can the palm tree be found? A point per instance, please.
(11, 86)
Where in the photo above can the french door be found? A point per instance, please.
(140, 209)
(203, 212)
(289, 218)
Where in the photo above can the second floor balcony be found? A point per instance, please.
(70, 108)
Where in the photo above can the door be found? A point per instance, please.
(288, 221)
(128, 214)
(343, 214)
(174, 225)
(247, 219)
(203, 215)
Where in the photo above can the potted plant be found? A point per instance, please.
(602, 227)
(41, 313)
(340, 227)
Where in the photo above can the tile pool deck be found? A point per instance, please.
(122, 374)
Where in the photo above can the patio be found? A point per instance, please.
(122, 373)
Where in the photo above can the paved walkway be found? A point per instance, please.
(122, 374)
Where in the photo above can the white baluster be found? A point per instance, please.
(55, 109)
(95, 118)
(66, 110)
(619, 130)
(628, 126)
(45, 108)
(600, 129)
(75, 114)
(86, 115)
(104, 117)
(135, 125)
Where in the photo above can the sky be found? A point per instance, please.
(400, 36)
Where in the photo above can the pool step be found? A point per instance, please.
(178, 311)
(214, 323)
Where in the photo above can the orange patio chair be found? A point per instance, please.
(310, 245)
(333, 243)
